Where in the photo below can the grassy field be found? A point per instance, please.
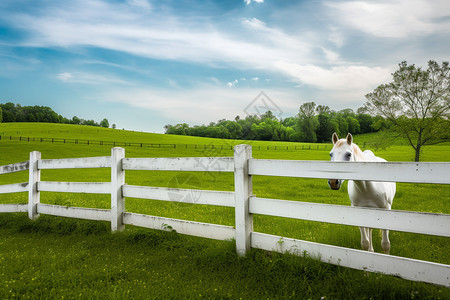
(57, 257)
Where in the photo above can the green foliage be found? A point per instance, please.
(312, 124)
(43, 114)
(417, 103)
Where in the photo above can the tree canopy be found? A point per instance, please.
(10, 112)
(312, 124)
(416, 102)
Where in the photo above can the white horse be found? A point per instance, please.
(363, 193)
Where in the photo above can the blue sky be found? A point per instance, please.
(143, 64)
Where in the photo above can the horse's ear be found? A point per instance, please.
(349, 138)
(335, 138)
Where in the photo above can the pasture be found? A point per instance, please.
(213, 263)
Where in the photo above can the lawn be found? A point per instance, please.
(86, 261)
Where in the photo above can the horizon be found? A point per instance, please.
(145, 64)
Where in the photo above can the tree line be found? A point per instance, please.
(10, 112)
(313, 123)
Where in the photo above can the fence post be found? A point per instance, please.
(242, 192)
(33, 179)
(117, 181)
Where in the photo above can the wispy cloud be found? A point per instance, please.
(394, 19)
(90, 78)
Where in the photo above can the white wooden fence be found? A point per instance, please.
(246, 204)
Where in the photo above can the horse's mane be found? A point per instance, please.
(359, 156)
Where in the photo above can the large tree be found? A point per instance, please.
(417, 102)
(307, 122)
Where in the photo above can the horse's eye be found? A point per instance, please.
(349, 154)
(331, 154)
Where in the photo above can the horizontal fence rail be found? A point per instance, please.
(75, 163)
(406, 221)
(411, 269)
(425, 172)
(205, 164)
(180, 195)
(246, 204)
(17, 167)
(206, 230)
(75, 187)
(14, 188)
(75, 212)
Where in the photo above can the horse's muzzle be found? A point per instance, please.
(334, 184)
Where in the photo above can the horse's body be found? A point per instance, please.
(363, 193)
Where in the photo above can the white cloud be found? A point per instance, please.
(248, 2)
(90, 78)
(394, 19)
(143, 4)
(200, 105)
(358, 78)
(64, 76)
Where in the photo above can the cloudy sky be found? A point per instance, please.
(143, 64)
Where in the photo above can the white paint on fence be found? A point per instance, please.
(12, 208)
(75, 212)
(206, 164)
(242, 193)
(206, 230)
(14, 188)
(180, 195)
(424, 172)
(34, 176)
(117, 181)
(78, 163)
(415, 222)
(357, 259)
(75, 187)
(17, 167)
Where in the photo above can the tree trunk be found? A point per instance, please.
(417, 153)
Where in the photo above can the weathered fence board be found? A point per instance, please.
(206, 230)
(74, 212)
(75, 187)
(71, 163)
(180, 195)
(357, 259)
(12, 208)
(17, 167)
(206, 164)
(407, 221)
(430, 172)
(14, 188)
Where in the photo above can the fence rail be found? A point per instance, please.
(246, 204)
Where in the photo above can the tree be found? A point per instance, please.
(1, 115)
(104, 123)
(308, 122)
(416, 102)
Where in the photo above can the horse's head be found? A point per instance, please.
(342, 151)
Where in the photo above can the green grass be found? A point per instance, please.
(199, 262)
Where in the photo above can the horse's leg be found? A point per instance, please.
(369, 233)
(365, 243)
(385, 243)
